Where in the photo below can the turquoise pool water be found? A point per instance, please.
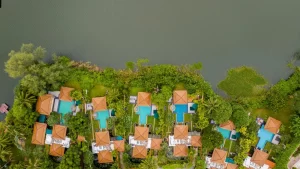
(229, 160)
(265, 136)
(225, 133)
(180, 109)
(102, 116)
(64, 108)
(144, 111)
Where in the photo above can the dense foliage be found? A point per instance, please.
(242, 82)
(244, 85)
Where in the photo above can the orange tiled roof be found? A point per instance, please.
(102, 138)
(119, 145)
(144, 99)
(141, 133)
(105, 157)
(180, 150)
(196, 141)
(44, 104)
(155, 143)
(259, 157)
(59, 132)
(65, 94)
(232, 166)
(228, 125)
(180, 131)
(270, 164)
(39, 133)
(139, 152)
(219, 156)
(180, 97)
(57, 150)
(273, 125)
(99, 103)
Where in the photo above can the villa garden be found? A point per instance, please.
(248, 97)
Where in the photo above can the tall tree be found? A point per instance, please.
(19, 61)
(24, 98)
(149, 163)
(211, 139)
(239, 116)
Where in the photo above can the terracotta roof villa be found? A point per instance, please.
(44, 104)
(273, 125)
(181, 132)
(57, 150)
(119, 145)
(196, 141)
(219, 156)
(258, 160)
(144, 99)
(39, 133)
(231, 166)
(105, 157)
(259, 157)
(217, 160)
(155, 143)
(59, 132)
(180, 97)
(141, 133)
(99, 103)
(228, 125)
(65, 94)
(180, 150)
(139, 152)
(102, 138)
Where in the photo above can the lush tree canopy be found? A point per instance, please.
(239, 116)
(211, 139)
(19, 61)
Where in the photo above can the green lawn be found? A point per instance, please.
(230, 146)
(97, 91)
(73, 84)
(283, 115)
(134, 90)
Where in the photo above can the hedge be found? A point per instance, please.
(283, 159)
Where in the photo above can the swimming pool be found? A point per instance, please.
(102, 116)
(180, 109)
(225, 133)
(64, 108)
(265, 136)
(144, 111)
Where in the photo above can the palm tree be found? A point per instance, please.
(5, 153)
(33, 164)
(149, 163)
(211, 104)
(4, 140)
(25, 99)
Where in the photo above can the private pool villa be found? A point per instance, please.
(143, 106)
(269, 133)
(181, 105)
(227, 130)
(104, 146)
(182, 139)
(101, 113)
(142, 141)
(259, 160)
(219, 160)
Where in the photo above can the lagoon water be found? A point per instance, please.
(220, 34)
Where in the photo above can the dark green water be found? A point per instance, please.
(220, 34)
